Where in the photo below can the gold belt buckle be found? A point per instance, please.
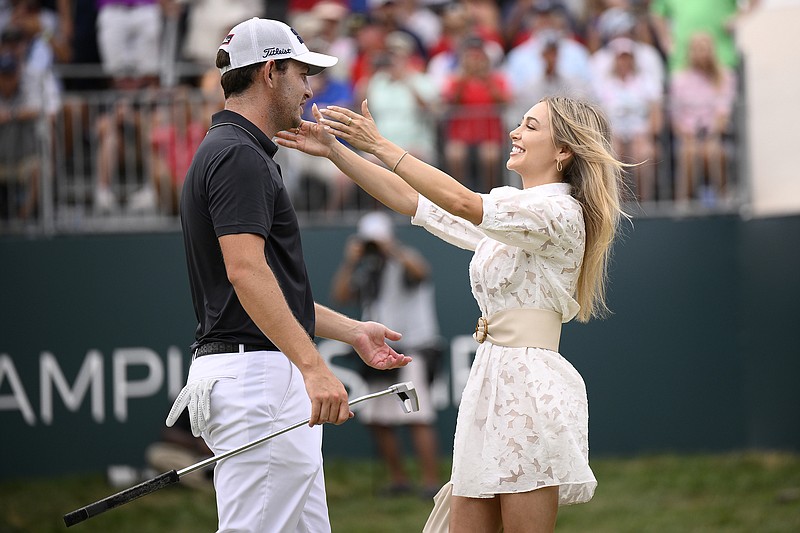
(481, 329)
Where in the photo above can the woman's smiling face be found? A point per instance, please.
(532, 150)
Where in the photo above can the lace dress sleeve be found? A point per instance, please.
(546, 225)
(450, 228)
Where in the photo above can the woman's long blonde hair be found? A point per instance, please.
(596, 178)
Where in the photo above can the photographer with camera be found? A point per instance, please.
(391, 284)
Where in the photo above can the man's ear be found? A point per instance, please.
(269, 71)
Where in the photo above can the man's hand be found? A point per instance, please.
(370, 344)
(328, 397)
(310, 138)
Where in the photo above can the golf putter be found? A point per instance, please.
(406, 395)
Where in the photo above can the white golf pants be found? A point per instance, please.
(277, 486)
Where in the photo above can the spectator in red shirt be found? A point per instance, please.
(476, 93)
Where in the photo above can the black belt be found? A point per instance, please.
(215, 347)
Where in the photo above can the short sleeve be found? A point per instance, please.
(542, 224)
(241, 192)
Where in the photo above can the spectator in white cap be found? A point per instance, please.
(633, 103)
(526, 63)
(392, 283)
(617, 23)
(254, 366)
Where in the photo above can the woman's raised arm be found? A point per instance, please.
(440, 188)
(383, 185)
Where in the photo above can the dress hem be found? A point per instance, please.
(573, 501)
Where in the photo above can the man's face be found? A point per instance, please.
(292, 92)
(475, 61)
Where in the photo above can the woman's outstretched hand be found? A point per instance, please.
(311, 138)
(359, 131)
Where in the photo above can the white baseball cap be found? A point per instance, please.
(258, 40)
(375, 226)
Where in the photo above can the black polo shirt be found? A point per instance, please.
(234, 186)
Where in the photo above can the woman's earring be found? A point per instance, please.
(559, 167)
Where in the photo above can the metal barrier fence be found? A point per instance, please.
(114, 162)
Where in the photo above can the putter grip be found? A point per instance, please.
(122, 497)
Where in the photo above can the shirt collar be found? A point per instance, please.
(547, 189)
(227, 115)
(551, 189)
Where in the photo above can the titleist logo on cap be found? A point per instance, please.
(274, 51)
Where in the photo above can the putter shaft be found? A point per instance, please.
(168, 478)
(230, 453)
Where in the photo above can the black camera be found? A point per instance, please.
(372, 248)
(366, 277)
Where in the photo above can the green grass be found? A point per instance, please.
(743, 492)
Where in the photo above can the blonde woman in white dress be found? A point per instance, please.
(540, 259)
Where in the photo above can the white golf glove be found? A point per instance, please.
(197, 397)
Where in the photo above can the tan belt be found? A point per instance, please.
(521, 328)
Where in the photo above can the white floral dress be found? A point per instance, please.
(523, 419)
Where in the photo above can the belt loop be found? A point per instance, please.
(241, 348)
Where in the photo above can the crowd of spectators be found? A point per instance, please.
(445, 78)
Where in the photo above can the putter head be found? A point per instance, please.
(407, 394)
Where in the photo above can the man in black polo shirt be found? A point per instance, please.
(255, 368)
